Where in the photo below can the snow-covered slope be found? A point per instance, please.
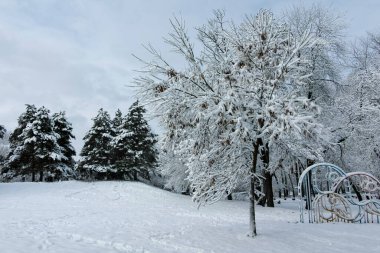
(132, 217)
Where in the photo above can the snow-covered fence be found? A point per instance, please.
(333, 195)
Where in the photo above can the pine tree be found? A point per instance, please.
(4, 148)
(2, 131)
(47, 152)
(64, 129)
(34, 147)
(141, 155)
(117, 121)
(20, 154)
(118, 146)
(95, 162)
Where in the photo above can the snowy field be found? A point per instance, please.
(132, 217)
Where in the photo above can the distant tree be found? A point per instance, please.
(2, 131)
(120, 147)
(64, 129)
(142, 154)
(47, 152)
(174, 171)
(20, 154)
(34, 147)
(357, 118)
(96, 157)
(117, 121)
(135, 153)
(117, 146)
(4, 147)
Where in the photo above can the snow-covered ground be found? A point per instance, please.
(133, 217)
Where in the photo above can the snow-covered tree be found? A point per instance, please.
(357, 122)
(322, 85)
(135, 144)
(34, 147)
(2, 131)
(19, 156)
(117, 121)
(64, 129)
(4, 145)
(232, 103)
(96, 158)
(47, 152)
(174, 171)
(120, 147)
(325, 59)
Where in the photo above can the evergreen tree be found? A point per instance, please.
(34, 147)
(47, 154)
(20, 154)
(2, 131)
(117, 122)
(95, 162)
(141, 155)
(118, 146)
(4, 148)
(64, 129)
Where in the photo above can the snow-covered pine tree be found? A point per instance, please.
(47, 152)
(233, 102)
(117, 121)
(134, 146)
(118, 147)
(96, 158)
(64, 129)
(20, 154)
(4, 147)
(2, 131)
(34, 147)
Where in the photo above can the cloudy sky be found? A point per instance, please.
(77, 55)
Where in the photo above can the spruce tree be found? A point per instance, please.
(95, 161)
(117, 147)
(3, 148)
(141, 155)
(2, 131)
(47, 154)
(64, 129)
(117, 121)
(20, 154)
(34, 147)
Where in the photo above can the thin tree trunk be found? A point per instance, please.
(293, 189)
(41, 176)
(33, 176)
(252, 215)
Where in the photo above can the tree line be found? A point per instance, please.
(40, 147)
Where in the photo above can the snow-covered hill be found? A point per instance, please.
(132, 217)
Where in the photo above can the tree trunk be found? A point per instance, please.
(268, 191)
(41, 176)
(268, 186)
(134, 175)
(252, 215)
(33, 176)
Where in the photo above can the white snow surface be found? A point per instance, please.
(132, 217)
